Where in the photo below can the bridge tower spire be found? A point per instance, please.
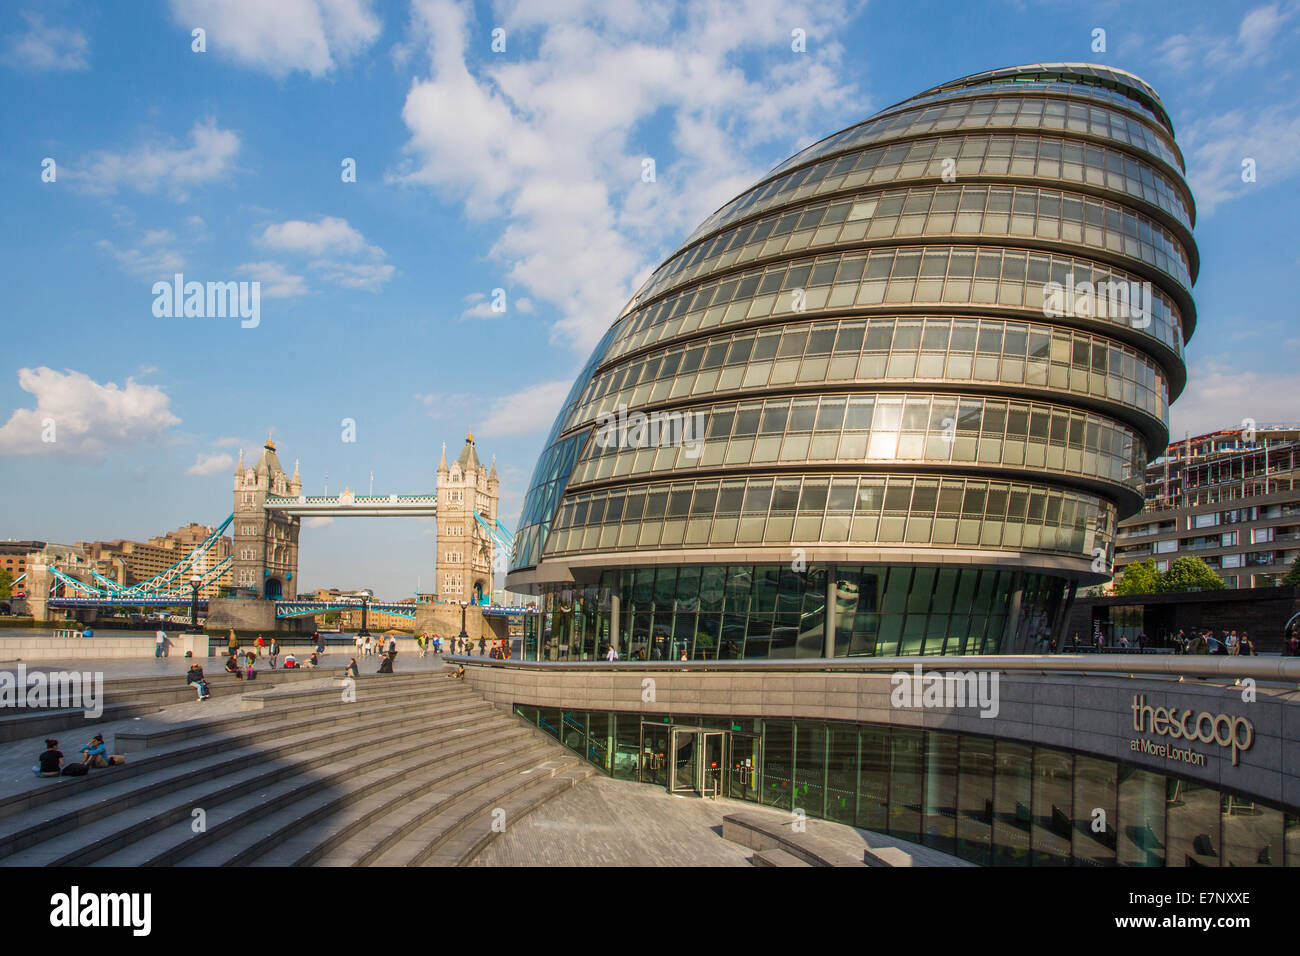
(464, 556)
(264, 559)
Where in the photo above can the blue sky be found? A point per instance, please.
(479, 170)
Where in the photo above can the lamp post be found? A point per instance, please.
(195, 581)
(365, 604)
(464, 636)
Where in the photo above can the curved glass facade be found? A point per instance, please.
(992, 802)
(940, 342)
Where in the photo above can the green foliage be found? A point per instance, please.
(1292, 579)
(1141, 577)
(6, 582)
(1190, 574)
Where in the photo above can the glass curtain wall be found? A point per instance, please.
(991, 802)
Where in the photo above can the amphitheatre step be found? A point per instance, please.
(362, 846)
(152, 733)
(472, 836)
(265, 781)
(310, 828)
(442, 821)
(160, 773)
(252, 729)
(775, 856)
(763, 832)
(254, 816)
(259, 699)
(120, 702)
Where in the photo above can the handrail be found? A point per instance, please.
(1273, 669)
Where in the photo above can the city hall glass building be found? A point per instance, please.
(892, 399)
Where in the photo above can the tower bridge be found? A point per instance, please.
(265, 524)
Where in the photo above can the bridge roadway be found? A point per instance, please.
(355, 506)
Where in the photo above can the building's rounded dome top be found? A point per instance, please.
(1091, 73)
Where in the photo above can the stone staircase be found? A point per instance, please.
(135, 697)
(418, 771)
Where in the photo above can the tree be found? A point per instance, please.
(1292, 579)
(1141, 577)
(6, 582)
(1190, 574)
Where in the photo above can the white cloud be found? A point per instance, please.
(1213, 54)
(333, 237)
(355, 275)
(89, 419)
(148, 259)
(211, 464)
(554, 140)
(163, 165)
(1222, 395)
(311, 36)
(277, 281)
(47, 48)
(526, 412)
(1216, 147)
(320, 521)
(328, 235)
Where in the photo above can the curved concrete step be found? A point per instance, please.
(363, 847)
(140, 805)
(313, 701)
(248, 729)
(441, 822)
(305, 833)
(260, 818)
(474, 834)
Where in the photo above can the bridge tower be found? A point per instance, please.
(264, 558)
(464, 558)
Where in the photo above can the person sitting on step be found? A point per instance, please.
(95, 754)
(50, 762)
(195, 676)
(232, 666)
(386, 665)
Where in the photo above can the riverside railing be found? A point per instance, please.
(1282, 670)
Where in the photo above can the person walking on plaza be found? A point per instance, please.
(482, 647)
(319, 642)
(260, 644)
(160, 644)
(392, 643)
(613, 653)
(232, 644)
(275, 651)
(367, 647)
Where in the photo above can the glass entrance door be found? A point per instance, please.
(696, 761)
(654, 753)
(743, 763)
(683, 760)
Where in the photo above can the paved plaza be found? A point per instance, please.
(605, 822)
